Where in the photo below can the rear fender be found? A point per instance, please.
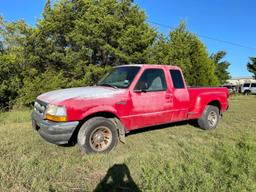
(201, 102)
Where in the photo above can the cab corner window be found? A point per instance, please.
(177, 79)
(152, 80)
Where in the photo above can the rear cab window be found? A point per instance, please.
(178, 82)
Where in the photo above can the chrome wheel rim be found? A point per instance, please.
(100, 138)
(212, 118)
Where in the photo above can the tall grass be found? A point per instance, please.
(175, 157)
(228, 168)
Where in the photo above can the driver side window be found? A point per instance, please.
(152, 80)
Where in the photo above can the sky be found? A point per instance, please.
(232, 21)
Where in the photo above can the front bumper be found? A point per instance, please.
(53, 132)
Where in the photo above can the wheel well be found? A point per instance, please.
(73, 139)
(99, 114)
(216, 104)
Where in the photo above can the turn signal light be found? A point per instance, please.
(56, 118)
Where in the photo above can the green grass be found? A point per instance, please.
(175, 158)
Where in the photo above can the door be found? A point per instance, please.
(180, 96)
(151, 100)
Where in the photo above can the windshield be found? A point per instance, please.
(120, 77)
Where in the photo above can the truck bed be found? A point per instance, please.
(201, 96)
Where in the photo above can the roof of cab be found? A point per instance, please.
(150, 66)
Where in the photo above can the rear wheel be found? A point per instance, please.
(247, 92)
(209, 118)
(97, 135)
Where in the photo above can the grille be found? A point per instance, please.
(40, 107)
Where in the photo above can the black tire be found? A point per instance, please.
(247, 92)
(97, 135)
(210, 118)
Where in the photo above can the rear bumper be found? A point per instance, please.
(53, 132)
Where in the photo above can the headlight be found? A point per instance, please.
(56, 113)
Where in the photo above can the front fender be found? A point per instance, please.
(99, 109)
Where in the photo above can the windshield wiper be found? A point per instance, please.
(108, 85)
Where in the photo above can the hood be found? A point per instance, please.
(61, 95)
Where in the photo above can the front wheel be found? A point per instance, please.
(97, 135)
(209, 118)
(247, 93)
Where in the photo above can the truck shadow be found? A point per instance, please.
(163, 126)
(118, 178)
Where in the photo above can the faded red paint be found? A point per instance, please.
(136, 110)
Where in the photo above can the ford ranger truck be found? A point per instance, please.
(129, 97)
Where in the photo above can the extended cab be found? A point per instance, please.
(129, 97)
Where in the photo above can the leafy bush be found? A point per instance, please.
(34, 86)
(48, 81)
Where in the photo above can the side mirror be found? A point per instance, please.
(126, 82)
(141, 87)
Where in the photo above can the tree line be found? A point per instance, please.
(251, 66)
(77, 41)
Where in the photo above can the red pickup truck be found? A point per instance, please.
(129, 97)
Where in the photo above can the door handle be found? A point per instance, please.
(169, 96)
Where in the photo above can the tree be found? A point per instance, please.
(47, 9)
(221, 70)
(184, 49)
(113, 32)
(12, 62)
(159, 51)
(79, 39)
(188, 52)
(1, 47)
(251, 66)
(74, 34)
